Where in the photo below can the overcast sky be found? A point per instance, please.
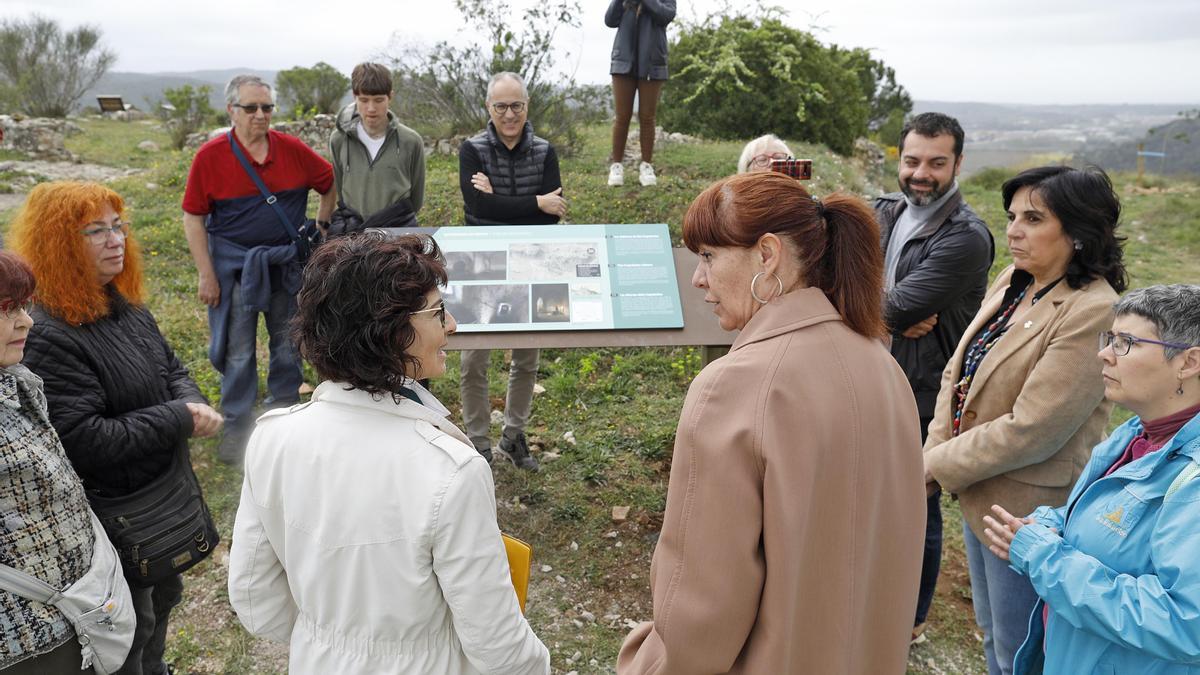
(1019, 51)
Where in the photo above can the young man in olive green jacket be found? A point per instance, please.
(377, 161)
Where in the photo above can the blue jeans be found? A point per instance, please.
(931, 562)
(239, 383)
(1003, 602)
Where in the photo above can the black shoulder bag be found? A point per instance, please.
(308, 237)
(161, 529)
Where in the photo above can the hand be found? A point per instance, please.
(205, 420)
(481, 182)
(1001, 530)
(209, 291)
(921, 328)
(553, 203)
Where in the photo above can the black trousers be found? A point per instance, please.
(153, 606)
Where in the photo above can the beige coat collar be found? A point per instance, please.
(786, 313)
(1036, 320)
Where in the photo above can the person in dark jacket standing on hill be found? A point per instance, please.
(639, 65)
(508, 176)
(937, 253)
(121, 401)
(378, 163)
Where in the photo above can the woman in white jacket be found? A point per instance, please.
(366, 535)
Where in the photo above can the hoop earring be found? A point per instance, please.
(1178, 392)
(754, 282)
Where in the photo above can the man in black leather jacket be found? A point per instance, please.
(937, 253)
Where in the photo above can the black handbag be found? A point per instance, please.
(161, 529)
(308, 236)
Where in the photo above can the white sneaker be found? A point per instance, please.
(616, 174)
(646, 174)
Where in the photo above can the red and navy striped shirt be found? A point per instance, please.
(218, 187)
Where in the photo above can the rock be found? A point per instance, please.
(611, 535)
(497, 417)
(148, 146)
(630, 623)
(38, 137)
(550, 456)
(538, 389)
(559, 578)
(587, 616)
(151, 186)
(547, 568)
(620, 514)
(574, 546)
(569, 437)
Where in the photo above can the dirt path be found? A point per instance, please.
(38, 170)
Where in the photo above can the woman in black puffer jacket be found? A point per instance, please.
(120, 399)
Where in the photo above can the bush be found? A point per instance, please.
(738, 76)
(44, 70)
(444, 88)
(313, 90)
(184, 111)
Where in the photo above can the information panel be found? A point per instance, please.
(560, 277)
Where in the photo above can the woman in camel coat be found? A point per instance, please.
(793, 532)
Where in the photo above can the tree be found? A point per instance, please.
(318, 89)
(446, 86)
(889, 101)
(46, 69)
(185, 111)
(738, 76)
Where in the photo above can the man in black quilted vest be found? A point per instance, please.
(508, 176)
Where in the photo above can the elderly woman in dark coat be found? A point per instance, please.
(119, 398)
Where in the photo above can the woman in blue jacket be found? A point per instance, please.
(639, 65)
(1116, 567)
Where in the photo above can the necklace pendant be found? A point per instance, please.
(1029, 324)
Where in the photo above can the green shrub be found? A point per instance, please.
(184, 111)
(738, 76)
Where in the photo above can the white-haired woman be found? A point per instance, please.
(758, 153)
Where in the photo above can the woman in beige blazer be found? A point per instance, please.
(1021, 402)
(792, 538)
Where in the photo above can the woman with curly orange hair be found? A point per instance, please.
(121, 401)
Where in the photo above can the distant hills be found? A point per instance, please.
(138, 88)
(1020, 134)
(1178, 140)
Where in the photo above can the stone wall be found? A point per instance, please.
(38, 137)
(315, 132)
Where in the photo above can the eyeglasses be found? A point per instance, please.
(1122, 342)
(439, 311)
(98, 234)
(764, 160)
(517, 107)
(11, 309)
(252, 108)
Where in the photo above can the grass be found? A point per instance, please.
(620, 405)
